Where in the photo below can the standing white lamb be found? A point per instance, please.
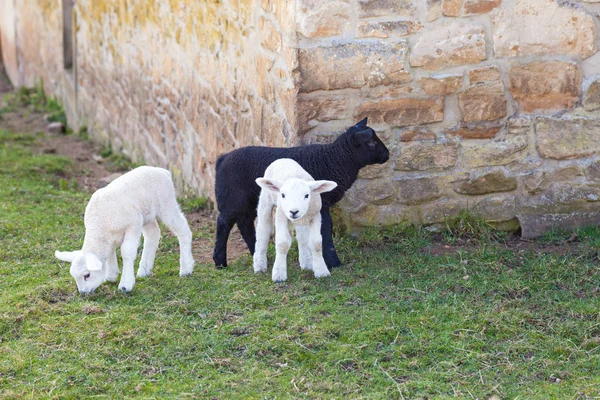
(117, 215)
(287, 186)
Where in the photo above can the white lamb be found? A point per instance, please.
(117, 215)
(296, 195)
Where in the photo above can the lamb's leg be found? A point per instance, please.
(245, 224)
(305, 255)
(151, 232)
(264, 228)
(112, 267)
(224, 225)
(176, 222)
(129, 252)
(331, 258)
(283, 241)
(316, 246)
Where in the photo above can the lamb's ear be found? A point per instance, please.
(92, 263)
(361, 137)
(362, 123)
(67, 256)
(269, 184)
(322, 186)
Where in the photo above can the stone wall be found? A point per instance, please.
(491, 106)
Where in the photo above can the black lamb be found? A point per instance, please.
(237, 192)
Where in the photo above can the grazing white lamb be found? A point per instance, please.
(117, 215)
(287, 186)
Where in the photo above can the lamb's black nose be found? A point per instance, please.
(294, 213)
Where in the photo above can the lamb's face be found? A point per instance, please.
(86, 269)
(294, 198)
(294, 195)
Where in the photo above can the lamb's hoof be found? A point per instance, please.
(185, 273)
(322, 275)
(142, 273)
(125, 290)
(259, 271)
(221, 266)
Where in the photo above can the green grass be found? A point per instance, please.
(398, 321)
(36, 99)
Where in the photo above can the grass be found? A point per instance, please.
(398, 321)
(37, 100)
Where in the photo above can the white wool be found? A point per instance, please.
(287, 186)
(118, 215)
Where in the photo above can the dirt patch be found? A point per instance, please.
(88, 168)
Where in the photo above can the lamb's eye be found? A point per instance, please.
(371, 143)
(283, 195)
(86, 276)
(306, 196)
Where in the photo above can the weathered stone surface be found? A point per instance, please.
(441, 85)
(496, 208)
(312, 110)
(495, 153)
(535, 182)
(535, 225)
(381, 215)
(491, 182)
(416, 134)
(426, 156)
(474, 132)
(323, 18)
(270, 37)
(591, 98)
(567, 174)
(518, 125)
(567, 138)
(559, 29)
(479, 6)
(374, 171)
(455, 44)
(484, 74)
(545, 85)
(378, 8)
(416, 191)
(352, 65)
(451, 8)
(592, 172)
(369, 191)
(402, 112)
(434, 10)
(441, 210)
(483, 102)
(383, 29)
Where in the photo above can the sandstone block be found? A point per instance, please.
(455, 44)
(416, 191)
(441, 210)
(441, 85)
(483, 102)
(402, 112)
(484, 74)
(545, 85)
(311, 110)
(535, 225)
(472, 7)
(592, 172)
(374, 171)
(416, 134)
(352, 65)
(384, 29)
(495, 153)
(369, 191)
(496, 208)
(559, 29)
(426, 156)
(491, 182)
(378, 8)
(535, 182)
(323, 18)
(591, 98)
(567, 138)
(451, 8)
(434, 10)
(382, 215)
(474, 131)
(270, 37)
(518, 125)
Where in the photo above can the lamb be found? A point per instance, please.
(237, 193)
(117, 215)
(296, 195)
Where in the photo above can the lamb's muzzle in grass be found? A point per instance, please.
(287, 186)
(117, 215)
